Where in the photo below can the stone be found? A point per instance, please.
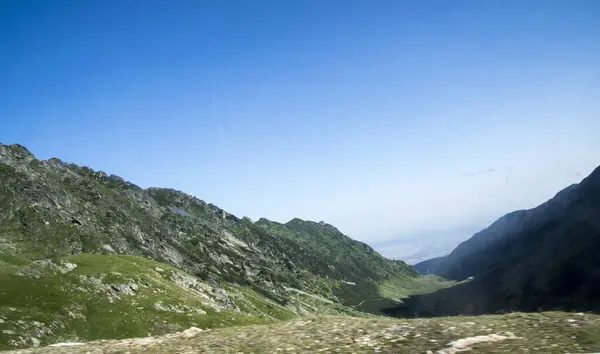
(191, 332)
(108, 248)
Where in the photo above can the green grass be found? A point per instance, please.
(253, 303)
(372, 297)
(48, 299)
(10, 259)
(397, 288)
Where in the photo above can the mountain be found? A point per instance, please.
(85, 255)
(430, 266)
(542, 258)
(88, 257)
(419, 246)
(479, 252)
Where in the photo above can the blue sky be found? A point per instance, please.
(383, 117)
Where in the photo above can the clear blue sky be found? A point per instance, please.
(381, 117)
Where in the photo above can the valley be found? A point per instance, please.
(94, 260)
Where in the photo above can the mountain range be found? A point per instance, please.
(86, 256)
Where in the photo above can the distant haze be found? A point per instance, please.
(382, 118)
(418, 247)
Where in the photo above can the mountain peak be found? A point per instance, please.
(295, 221)
(592, 182)
(298, 221)
(15, 151)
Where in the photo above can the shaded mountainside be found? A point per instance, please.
(480, 251)
(53, 211)
(543, 258)
(430, 266)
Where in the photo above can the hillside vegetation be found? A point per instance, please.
(80, 250)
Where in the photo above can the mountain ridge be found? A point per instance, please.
(540, 258)
(52, 211)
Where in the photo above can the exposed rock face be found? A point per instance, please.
(36, 269)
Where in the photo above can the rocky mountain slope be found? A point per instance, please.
(113, 296)
(544, 258)
(476, 253)
(553, 332)
(80, 249)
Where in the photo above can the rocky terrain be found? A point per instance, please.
(552, 332)
(85, 255)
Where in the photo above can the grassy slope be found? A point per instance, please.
(363, 279)
(45, 304)
(49, 299)
(399, 288)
